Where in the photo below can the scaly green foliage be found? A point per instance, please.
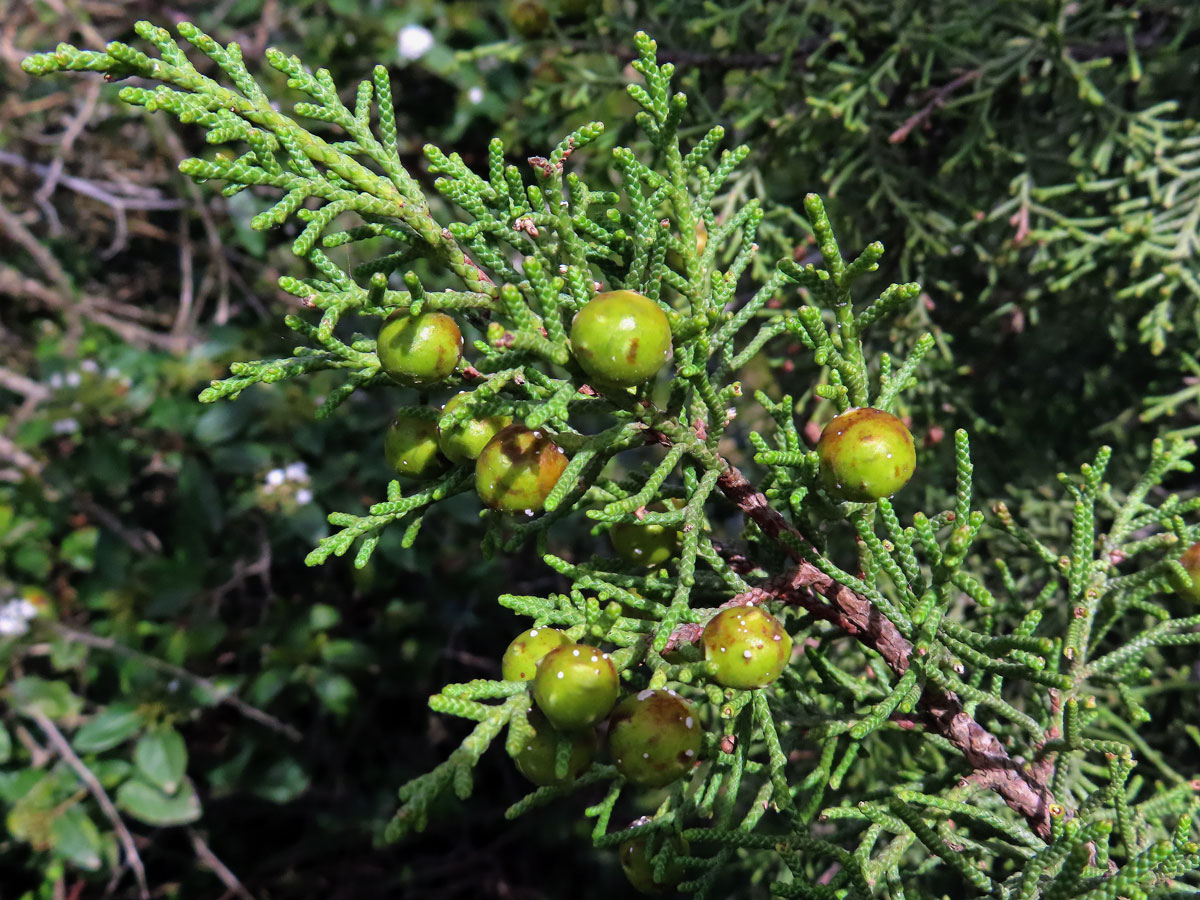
(946, 727)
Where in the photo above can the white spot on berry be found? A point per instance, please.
(747, 654)
(688, 722)
(646, 694)
(560, 674)
(689, 753)
(574, 652)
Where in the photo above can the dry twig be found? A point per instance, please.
(218, 694)
(63, 747)
(213, 863)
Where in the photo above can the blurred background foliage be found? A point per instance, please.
(1034, 165)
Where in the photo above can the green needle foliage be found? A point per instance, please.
(960, 714)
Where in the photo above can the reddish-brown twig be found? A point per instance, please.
(1025, 791)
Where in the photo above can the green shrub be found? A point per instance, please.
(956, 716)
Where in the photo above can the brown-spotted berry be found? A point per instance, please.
(411, 447)
(621, 338)
(748, 646)
(1191, 563)
(517, 470)
(865, 454)
(527, 649)
(654, 737)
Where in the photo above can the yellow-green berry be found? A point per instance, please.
(527, 649)
(621, 338)
(748, 646)
(865, 454)
(654, 737)
(538, 757)
(411, 447)
(465, 440)
(419, 350)
(575, 686)
(636, 863)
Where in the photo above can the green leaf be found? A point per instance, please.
(218, 424)
(322, 617)
(336, 692)
(51, 698)
(5, 744)
(65, 654)
(242, 208)
(148, 804)
(161, 756)
(78, 548)
(31, 817)
(283, 782)
(15, 785)
(111, 727)
(33, 559)
(76, 838)
(111, 772)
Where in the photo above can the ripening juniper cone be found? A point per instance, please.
(411, 447)
(575, 686)
(518, 469)
(538, 757)
(527, 649)
(748, 646)
(1191, 564)
(621, 338)
(465, 440)
(635, 861)
(866, 454)
(643, 544)
(419, 350)
(654, 737)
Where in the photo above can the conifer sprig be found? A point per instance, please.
(987, 696)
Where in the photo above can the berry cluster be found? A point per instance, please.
(654, 736)
(620, 339)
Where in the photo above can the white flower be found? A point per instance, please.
(56, 380)
(12, 627)
(65, 426)
(475, 94)
(414, 41)
(112, 372)
(15, 616)
(275, 477)
(73, 379)
(90, 365)
(296, 471)
(304, 495)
